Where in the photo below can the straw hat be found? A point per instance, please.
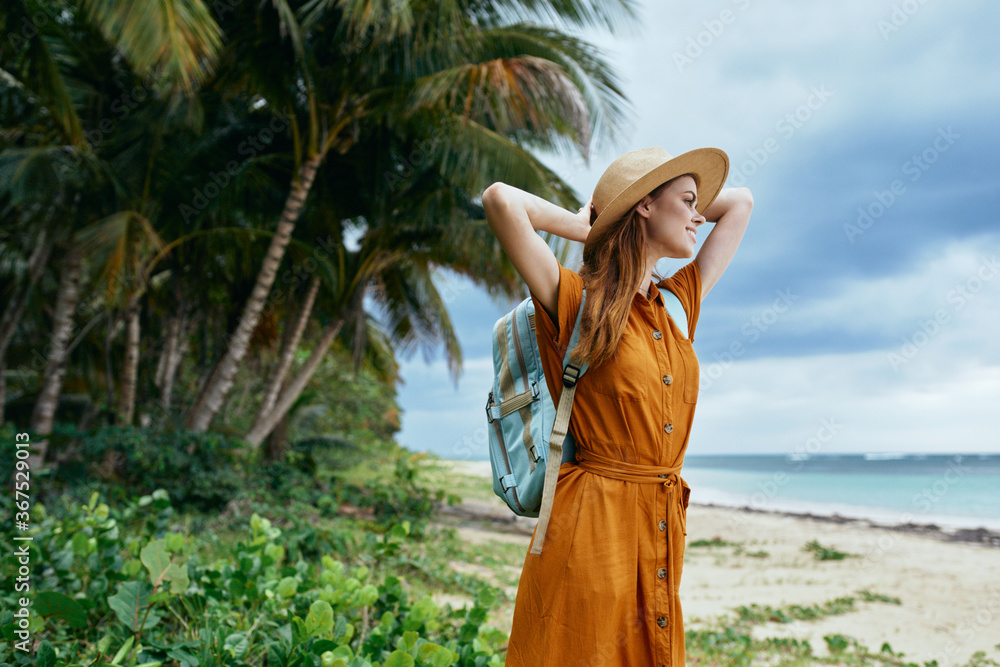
(637, 173)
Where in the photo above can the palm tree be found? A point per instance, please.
(355, 64)
(58, 65)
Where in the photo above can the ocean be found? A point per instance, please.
(949, 490)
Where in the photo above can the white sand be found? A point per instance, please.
(949, 591)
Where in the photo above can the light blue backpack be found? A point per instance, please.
(527, 433)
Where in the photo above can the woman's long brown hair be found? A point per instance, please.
(612, 266)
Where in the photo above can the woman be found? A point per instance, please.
(604, 591)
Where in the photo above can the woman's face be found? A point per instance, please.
(671, 221)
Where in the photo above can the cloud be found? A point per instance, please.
(926, 382)
(875, 206)
(781, 405)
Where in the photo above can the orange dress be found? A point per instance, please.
(603, 592)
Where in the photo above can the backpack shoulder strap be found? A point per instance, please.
(574, 339)
(676, 310)
(572, 371)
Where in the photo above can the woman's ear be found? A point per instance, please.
(642, 208)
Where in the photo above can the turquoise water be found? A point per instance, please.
(952, 490)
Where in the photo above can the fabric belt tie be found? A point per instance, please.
(668, 476)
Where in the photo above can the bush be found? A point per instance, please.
(123, 587)
(200, 470)
(402, 498)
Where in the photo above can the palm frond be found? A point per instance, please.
(179, 37)
(30, 61)
(616, 16)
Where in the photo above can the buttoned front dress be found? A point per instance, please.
(603, 592)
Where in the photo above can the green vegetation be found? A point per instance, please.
(820, 552)
(714, 542)
(755, 613)
(739, 549)
(868, 596)
(732, 642)
(203, 201)
(126, 587)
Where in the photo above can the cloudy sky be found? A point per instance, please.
(864, 301)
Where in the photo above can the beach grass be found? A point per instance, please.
(746, 561)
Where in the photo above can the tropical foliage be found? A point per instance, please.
(200, 195)
(221, 225)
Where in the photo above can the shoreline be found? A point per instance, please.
(962, 530)
(980, 535)
(929, 592)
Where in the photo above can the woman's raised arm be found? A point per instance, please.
(514, 216)
(731, 209)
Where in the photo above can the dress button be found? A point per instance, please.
(669, 428)
(667, 379)
(662, 621)
(663, 476)
(657, 335)
(663, 524)
(662, 572)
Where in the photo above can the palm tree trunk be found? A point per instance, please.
(288, 397)
(43, 415)
(169, 343)
(287, 354)
(276, 444)
(109, 372)
(130, 369)
(221, 381)
(15, 307)
(174, 351)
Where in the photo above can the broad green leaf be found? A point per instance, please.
(174, 541)
(433, 655)
(287, 587)
(366, 596)
(45, 656)
(486, 597)
(340, 627)
(182, 656)
(156, 559)
(321, 646)
(238, 644)
(399, 659)
(319, 621)
(249, 565)
(275, 552)
(81, 544)
(424, 608)
(299, 633)
(60, 607)
(130, 603)
(276, 655)
(408, 641)
(343, 653)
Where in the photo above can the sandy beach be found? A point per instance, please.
(947, 584)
